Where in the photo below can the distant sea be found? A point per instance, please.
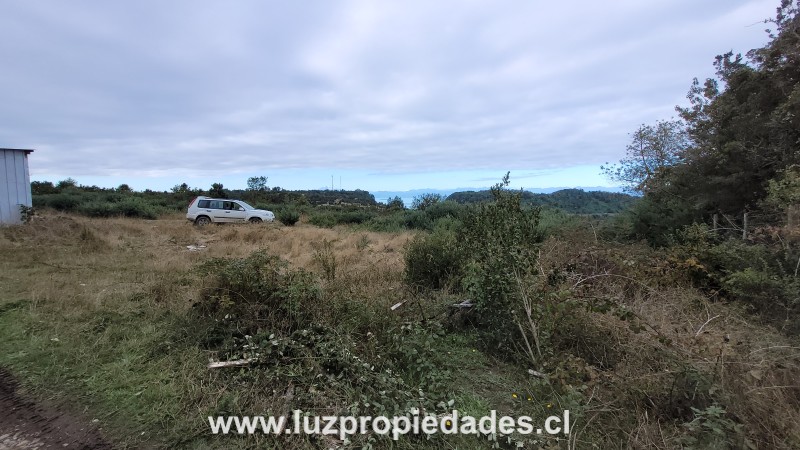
(406, 200)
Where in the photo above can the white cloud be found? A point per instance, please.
(153, 88)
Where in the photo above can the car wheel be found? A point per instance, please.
(202, 221)
(255, 220)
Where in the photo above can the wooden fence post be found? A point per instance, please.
(744, 226)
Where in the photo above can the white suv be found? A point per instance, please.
(204, 210)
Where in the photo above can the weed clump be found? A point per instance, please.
(288, 327)
(246, 295)
(435, 260)
(288, 216)
(485, 256)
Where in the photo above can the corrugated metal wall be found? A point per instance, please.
(15, 185)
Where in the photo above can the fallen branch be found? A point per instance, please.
(466, 304)
(699, 330)
(234, 363)
(537, 374)
(397, 305)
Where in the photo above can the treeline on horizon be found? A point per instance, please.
(67, 195)
(575, 201)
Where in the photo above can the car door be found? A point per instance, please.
(235, 212)
(204, 209)
(218, 211)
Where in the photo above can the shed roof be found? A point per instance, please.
(26, 150)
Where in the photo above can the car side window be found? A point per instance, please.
(228, 205)
(216, 204)
(203, 204)
(237, 207)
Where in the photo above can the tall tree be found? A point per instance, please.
(653, 150)
(217, 191)
(745, 124)
(257, 183)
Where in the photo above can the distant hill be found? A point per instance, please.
(318, 197)
(576, 201)
(445, 192)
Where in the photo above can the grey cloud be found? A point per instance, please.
(150, 88)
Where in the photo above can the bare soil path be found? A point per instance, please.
(27, 425)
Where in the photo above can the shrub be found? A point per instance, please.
(501, 237)
(425, 201)
(39, 201)
(490, 253)
(324, 220)
(388, 223)
(434, 260)
(288, 216)
(417, 220)
(260, 291)
(136, 207)
(97, 209)
(762, 275)
(353, 217)
(26, 213)
(63, 202)
(325, 258)
(761, 290)
(445, 209)
(712, 427)
(395, 203)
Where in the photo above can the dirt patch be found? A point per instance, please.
(26, 425)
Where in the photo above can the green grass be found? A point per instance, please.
(110, 365)
(111, 319)
(101, 328)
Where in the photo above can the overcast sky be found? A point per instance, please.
(386, 95)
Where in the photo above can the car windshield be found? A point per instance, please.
(245, 205)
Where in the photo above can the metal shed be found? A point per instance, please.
(15, 184)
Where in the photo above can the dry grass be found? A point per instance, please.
(92, 312)
(76, 261)
(72, 287)
(680, 350)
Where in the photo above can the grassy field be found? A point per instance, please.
(115, 320)
(96, 316)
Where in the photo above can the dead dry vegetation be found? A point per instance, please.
(671, 367)
(117, 318)
(98, 309)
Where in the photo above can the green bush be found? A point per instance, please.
(288, 216)
(712, 427)
(761, 290)
(63, 202)
(444, 209)
(136, 207)
(434, 260)
(489, 254)
(392, 223)
(323, 220)
(760, 274)
(417, 220)
(354, 217)
(502, 238)
(103, 204)
(97, 209)
(260, 291)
